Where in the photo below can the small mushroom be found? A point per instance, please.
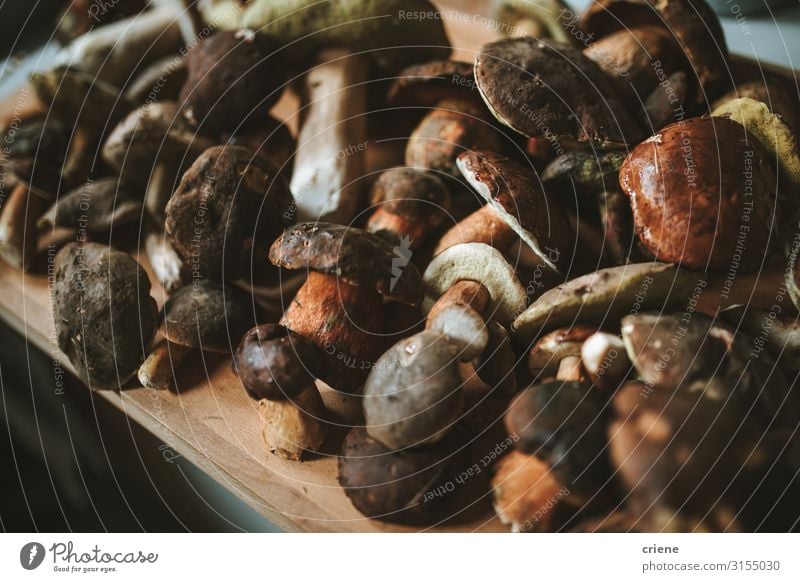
(413, 395)
(228, 208)
(691, 203)
(399, 486)
(339, 307)
(97, 207)
(485, 265)
(103, 313)
(536, 18)
(411, 204)
(692, 25)
(517, 208)
(204, 316)
(232, 76)
(547, 353)
(150, 147)
(548, 90)
(605, 360)
(607, 294)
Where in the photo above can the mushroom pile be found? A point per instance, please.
(530, 277)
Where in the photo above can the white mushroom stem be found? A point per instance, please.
(158, 369)
(293, 427)
(605, 359)
(18, 233)
(332, 143)
(114, 51)
(164, 260)
(570, 369)
(159, 189)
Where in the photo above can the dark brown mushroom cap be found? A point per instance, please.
(103, 313)
(35, 150)
(413, 392)
(398, 486)
(516, 194)
(692, 22)
(97, 206)
(227, 210)
(550, 90)
(564, 424)
(267, 137)
(681, 453)
(413, 194)
(427, 84)
(695, 188)
(207, 315)
(669, 353)
(275, 363)
(354, 255)
(232, 74)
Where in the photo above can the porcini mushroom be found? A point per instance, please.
(689, 201)
(103, 313)
(546, 355)
(340, 307)
(204, 316)
(228, 208)
(413, 395)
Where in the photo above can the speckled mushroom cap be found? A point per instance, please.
(103, 313)
(353, 255)
(550, 90)
(515, 193)
(692, 22)
(274, 363)
(228, 208)
(231, 75)
(426, 84)
(414, 194)
(207, 315)
(694, 186)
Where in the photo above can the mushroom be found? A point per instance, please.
(482, 264)
(546, 355)
(604, 358)
(276, 368)
(80, 16)
(161, 80)
(103, 313)
(269, 139)
(154, 137)
(777, 137)
(691, 24)
(768, 330)
(691, 204)
(413, 395)
(495, 365)
(426, 85)
(564, 425)
(411, 204)
(517, 208)
(97, 207)
(204, 316)
(339, 307)
(167, 265)
(399, 486)
(587, 171)
(548, 90)
(232, 76)
(607, 294)
(537, 18)
(228, 208)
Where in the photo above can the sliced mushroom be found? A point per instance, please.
(103, 313)
(202, 316)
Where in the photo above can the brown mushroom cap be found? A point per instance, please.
(398, 486)
(703, 195)
(515, 193)
(427, 84)
(207, 316)
(96, 206)
(229, 207)
(413, 393)
(103, 313)
(274, 363)
(692, 22)
(232, 75)
(35, 151)
(355, 256)
(550, 349)
(550, 90)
